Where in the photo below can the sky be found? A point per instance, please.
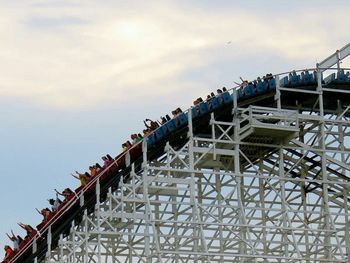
(78, 77)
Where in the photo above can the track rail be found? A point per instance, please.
(118, 167)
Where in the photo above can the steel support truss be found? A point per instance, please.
(269, 185)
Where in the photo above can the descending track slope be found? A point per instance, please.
(254, 175)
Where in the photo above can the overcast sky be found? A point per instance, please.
(78, 77)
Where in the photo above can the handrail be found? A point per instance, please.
(335, 58)
(309, 69)
(78, 195)
(70, 203)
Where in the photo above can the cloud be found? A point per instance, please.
(83, 56)
(53, 22)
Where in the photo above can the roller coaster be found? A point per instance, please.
(258, 173)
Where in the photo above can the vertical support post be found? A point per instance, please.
(81, 199)
(61, 248)
(145, 194)
(304, 199)
(338, 61)
(147, 217)
(132, 208)
(86, 241)
(144, 152)
(155, 219)
(327, 241)
(263, 211)
(113, 242)
(98, 215)
(220, 210)
(73, 256)
(110, 195)
(346, 189)
(99, 252)
(212, 120)
(243, 228)
(283, 203)
(49, 242)
(234, 96)
(98, 189)
(176, 232)
(196, 217)
(320, 90)
(191, 165)
(278, 92)
(347, 220)
(130, 244)
(240, 195)
(34, 250)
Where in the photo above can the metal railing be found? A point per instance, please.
(252, 111)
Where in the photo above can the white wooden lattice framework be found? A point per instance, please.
(270, 185)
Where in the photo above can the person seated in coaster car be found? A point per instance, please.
(45, 212)
(66, 193)
(93, 170)
(17, 240)
(8, 253)
(163, 120)
(243, 84)
(269, 76)
(107, 160)
(221, 94)
(29, 230)
(176, 113)
(152, 125)
(124, 147)
(209, 100)
(290, 76)
(302, 77)
(84, 178)
(55, 203)
(135, 138)
(196, 104)
(146, 132)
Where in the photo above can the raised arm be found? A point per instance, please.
(147, 126)
(75, 176)
(58, 193)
